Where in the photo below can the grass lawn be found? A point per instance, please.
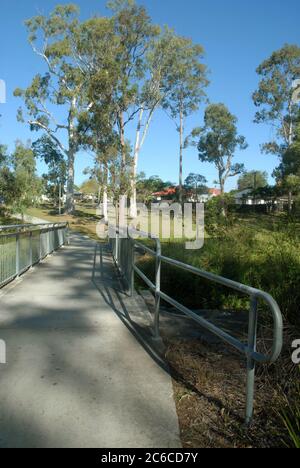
(84, 220)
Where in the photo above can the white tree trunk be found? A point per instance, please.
(70, 205)
(133, 208)
(181, 158)
(140, 140)
(105, 195)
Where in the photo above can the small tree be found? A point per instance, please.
(253, 180)
(19, 183)
(197, 182)
(218, 142)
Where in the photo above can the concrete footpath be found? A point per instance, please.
(80, 370)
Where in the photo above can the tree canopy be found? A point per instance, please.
(219, 139)
(253, 180)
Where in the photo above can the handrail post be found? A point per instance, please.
(252, 335)
(132, 257)
(30, 249)
(157, 289)
(68, 233)
(17, 254)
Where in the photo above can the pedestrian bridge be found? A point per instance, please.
(84, 365)
(79, 373)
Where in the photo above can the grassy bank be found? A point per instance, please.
(260, 251)
(84, 219)
(264, 252)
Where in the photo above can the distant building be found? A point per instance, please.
(78, 196)
(168, 195)
(214, 192)
(246, 197)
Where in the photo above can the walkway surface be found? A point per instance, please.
(79, 372)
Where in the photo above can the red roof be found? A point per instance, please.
(165, 193)
(215, 192)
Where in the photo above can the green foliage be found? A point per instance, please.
(89, 187)
(146, 187)
(274, 93)
(54, 40)
(253, 180)
(186, 79)
(274, 98)
(216, 223)
(19, 185)
(196, 183)
(49, 152)
(257, 251)
(290, 416)
(219, 140)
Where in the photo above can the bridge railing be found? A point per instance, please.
(24, 245)
(124, 247)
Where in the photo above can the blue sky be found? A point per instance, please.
(236, 34)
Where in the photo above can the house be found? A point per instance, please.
(168, 195)
(246, 197)
(214, 192)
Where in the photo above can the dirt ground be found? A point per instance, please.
(209, 379)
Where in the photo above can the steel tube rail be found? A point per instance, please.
(27, 246)
(249, 350)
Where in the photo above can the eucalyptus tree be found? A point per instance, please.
(55, 179)
(186, 83)
(219, 140)
(117, 76)
(169, 74)
(55, 99)
(277, 98)
(134, 32)
(97, 124)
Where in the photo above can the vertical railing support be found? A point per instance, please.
(48, 242)
(17, 254)
(157, 290)
(30, 249)
(252, 334)
(132, 273)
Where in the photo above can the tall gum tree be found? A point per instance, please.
(134, 31)
(186, 83)
(276, 99)
(55, 99)
(163, 63)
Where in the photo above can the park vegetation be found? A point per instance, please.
(88, 96)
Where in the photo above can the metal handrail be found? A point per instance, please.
(249, 349)
(10, 227)
(33, 242)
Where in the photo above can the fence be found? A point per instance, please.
(22, 246)
(123, 249)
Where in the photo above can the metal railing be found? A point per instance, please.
(24, 245)
(123, 249)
